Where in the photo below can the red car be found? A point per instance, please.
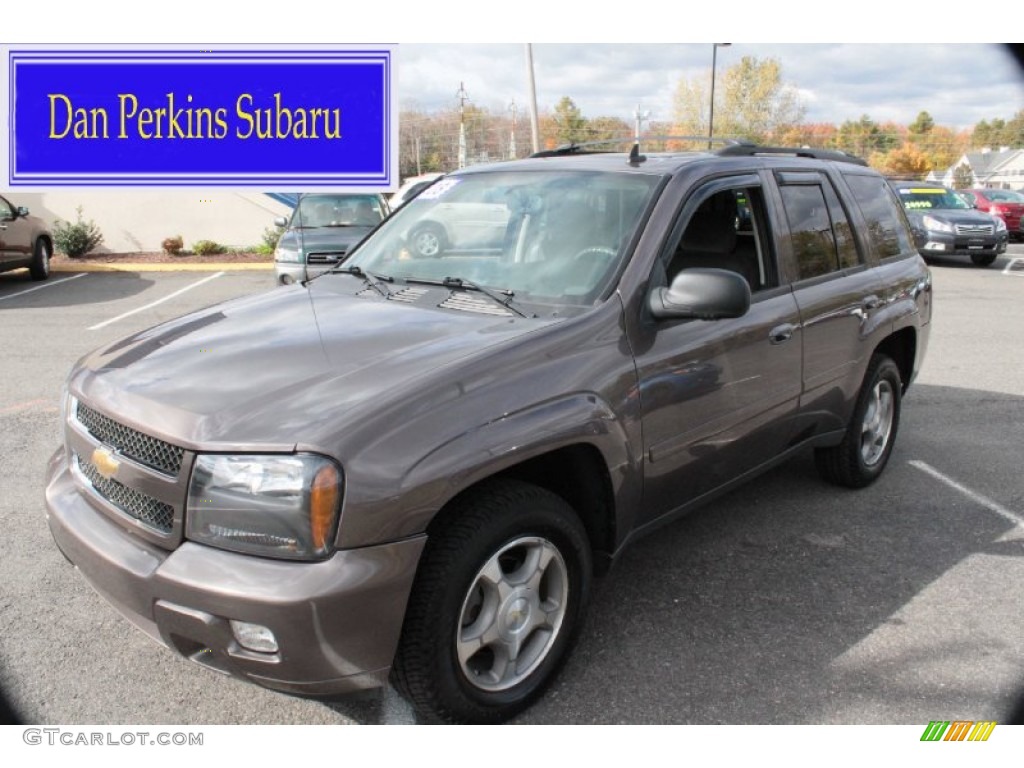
(1004, 203)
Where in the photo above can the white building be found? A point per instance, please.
(139, 220)
(1002, 169)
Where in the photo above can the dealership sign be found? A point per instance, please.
(234, 117)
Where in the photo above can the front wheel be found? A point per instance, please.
(983, 259)
(497, 600)
(862, 455)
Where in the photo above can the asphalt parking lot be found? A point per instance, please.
(787, 601)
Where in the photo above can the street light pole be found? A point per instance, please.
(711, 114)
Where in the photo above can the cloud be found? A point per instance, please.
(957, 84)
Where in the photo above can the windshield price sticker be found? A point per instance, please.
(437, 190)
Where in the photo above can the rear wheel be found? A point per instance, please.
(861, 457)
(983, 259)
(40, 267)
(497, 600)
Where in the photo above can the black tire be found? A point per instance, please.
(983, 259)
(428, 241)
(862, 455)
(510, 526)
(41, 253)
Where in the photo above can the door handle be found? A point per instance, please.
(781, 333)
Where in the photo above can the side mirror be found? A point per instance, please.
(705, 294)
(22, 211)
(281, 221)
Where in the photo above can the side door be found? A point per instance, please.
(837, 291)
(717, 397)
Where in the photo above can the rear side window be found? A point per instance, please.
(887, 227)
(810, 230)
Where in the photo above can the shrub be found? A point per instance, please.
(173, 245)
(76, 239)
(208, 248)
(269, 240)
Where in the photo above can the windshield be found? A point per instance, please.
(1004, 196)
(931, 198)
(549, 237)
(337, 211)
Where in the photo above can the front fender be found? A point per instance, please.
(491, 448)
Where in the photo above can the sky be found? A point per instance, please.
(875, 57)
(957, 84)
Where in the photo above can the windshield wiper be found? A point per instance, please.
(375, 281)
(502, 297)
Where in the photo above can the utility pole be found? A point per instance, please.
(463, 97)
(512, 134)
(711, 114)
(641, 118)
(534, 122)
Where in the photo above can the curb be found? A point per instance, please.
(160, 267)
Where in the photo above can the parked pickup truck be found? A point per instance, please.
(412, 466)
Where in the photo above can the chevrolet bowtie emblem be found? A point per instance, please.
(105, 462)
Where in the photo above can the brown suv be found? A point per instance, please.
(411, 466)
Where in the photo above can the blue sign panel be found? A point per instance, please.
(266, 119)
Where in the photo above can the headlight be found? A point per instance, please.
(1000, 225)
(933, 224)
(288, 254)
(277, 506)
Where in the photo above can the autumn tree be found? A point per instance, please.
(921, 126)
(906, 161)
(864, 137)
(963, 178)
(752, 102)
(571, 125)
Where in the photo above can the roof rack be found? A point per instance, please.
(582, 148)
(747, 149)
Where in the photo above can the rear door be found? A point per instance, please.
(836, 289)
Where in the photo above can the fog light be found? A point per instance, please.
(935, 246)
(254, 637)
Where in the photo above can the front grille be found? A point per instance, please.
(327, 257)
(137, 446)
(975, 229)
(142, 507)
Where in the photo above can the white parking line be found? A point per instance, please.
(974, 496)
(155, 303)
(48, 284)
(1010, 268)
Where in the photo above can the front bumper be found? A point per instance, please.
(948, 244)
(337, 622)
(289, 272)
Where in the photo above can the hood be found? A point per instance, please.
(324, 239)
(265, 372)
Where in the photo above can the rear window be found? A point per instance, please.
(887, 227)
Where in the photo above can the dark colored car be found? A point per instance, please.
(321, 230)
(945, 224)
(411, 467)
(1006, 204)
(25, 241)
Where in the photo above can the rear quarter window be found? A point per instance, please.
(886, 225)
